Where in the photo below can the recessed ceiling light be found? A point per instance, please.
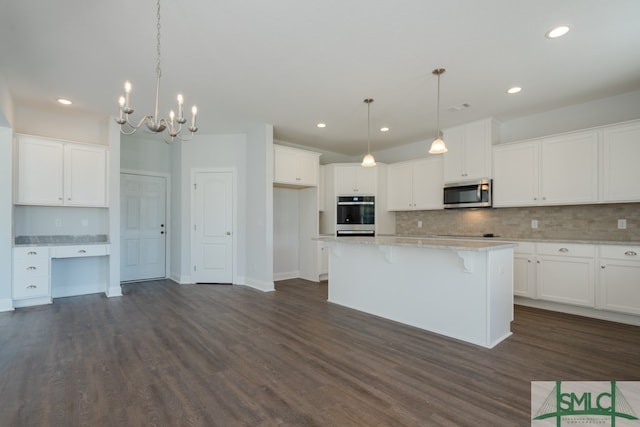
(514, 89)
(557, 32)
(64, 101)
(321, 125)
(384, 129)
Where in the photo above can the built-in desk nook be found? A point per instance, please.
(44, 269)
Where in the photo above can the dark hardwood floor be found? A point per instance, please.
(215, 355)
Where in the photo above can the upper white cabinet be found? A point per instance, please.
(620, 155)
(415, 185)
(569, 168)
(516, 174)
(560, 170)
(355, 180)
(52, 172)
(295, 167)
(469, 155)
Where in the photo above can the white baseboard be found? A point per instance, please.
(611, 316)
(6, 304)
(260, 285)
(115, 291)
(286, 275)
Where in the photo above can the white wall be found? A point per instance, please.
(6, 180)
(326, 157)
(64, 124)
(285, 233)
(600, 112)
(207, 152)
(145, 153)
(259, 237)
(41, 220)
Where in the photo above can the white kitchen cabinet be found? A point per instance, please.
(569, 168)
(559, 170)
(31, 267)
(516, 174)
(620, 155)
(295, 167)
(323, 261)
(566, 273)
(619, 279)
(415, 185)
(52, 172)
(524, 270)
(321, 189)
(355, 180)
(469, 150)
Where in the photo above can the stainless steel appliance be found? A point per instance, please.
(469, 194)
(355, 216)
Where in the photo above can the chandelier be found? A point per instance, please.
(156, 124)
(438, 146)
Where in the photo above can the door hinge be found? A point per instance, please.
(194, 268)
(195, 227)
(195, 185)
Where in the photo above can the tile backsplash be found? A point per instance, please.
(580, 222)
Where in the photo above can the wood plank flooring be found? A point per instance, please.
(216, 355)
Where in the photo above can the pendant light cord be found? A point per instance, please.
(369, 127)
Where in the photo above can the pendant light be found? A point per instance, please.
(437, 146)
(368, 160)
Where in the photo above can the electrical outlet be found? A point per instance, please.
(419, 224)
(534, 223)
(622, 224)
(58, 222)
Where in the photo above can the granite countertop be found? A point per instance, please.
(534, 240)
(478, 245)
(61, 240)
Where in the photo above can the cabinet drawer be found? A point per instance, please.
(79, 251)
(31, 267)
(623, 253)
(30, 287)
(564, 249)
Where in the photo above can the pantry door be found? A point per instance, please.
(143, 228)
(212, 227)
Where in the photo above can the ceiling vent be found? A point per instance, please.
(459, 107)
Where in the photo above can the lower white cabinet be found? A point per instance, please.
(604, 277)
(565, 273)
(31, 266)
(619, 279)
(323, 254)
(524, 270)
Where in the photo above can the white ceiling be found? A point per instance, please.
(294, 63)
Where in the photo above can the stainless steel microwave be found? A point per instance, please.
(469, 194)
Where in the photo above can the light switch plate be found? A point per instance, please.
(622, 224)
(534, 223)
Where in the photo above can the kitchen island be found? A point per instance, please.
(459, 288)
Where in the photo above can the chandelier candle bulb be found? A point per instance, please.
(181, 119)
(127, 91)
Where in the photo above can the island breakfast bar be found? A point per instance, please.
(459, 288)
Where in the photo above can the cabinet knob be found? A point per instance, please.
(544, 198)
(535, 198)
(31, 268)
(602, 267)
(31, 287)
(32, 253)
(631, 253)
(59, 198)
(538, 262)
(82, 251)
(528, 260)
(68, 198)
(563, 250)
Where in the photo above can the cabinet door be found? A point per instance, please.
(515, 174)
(365, 180)
(85, 175)
(477, 150)
(400, 187)
(307, 169)
(567, 280)
(284, 166)
(619, 286)
(427, 184)
(346, 180)
(453, 158)
(524, 275)
(40, 172)
(569, 169)
(620, 171)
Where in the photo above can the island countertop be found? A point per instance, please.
(423, 242)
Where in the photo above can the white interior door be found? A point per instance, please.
(212, 241)
(143, 230)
